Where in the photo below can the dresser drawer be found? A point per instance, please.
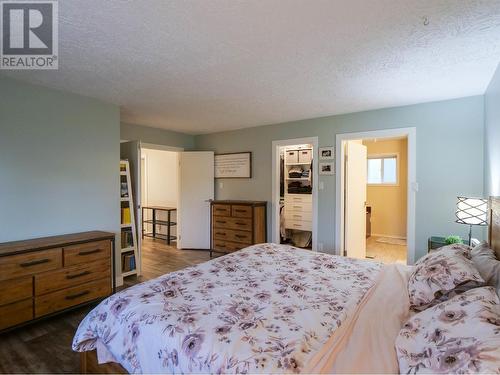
(233, 235)
(301, 225)
(65, 298)
(227, 246)
(232, 223)
(298, 198)
(241, 211)
(71, 276)
(16, 313)
(30, 263)
(298, 215)
(87, 252)
(298, 207)
(221, 209)
(16, 289)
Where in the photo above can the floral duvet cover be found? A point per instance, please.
(264, 309)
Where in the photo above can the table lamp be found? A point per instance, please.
(472, 211)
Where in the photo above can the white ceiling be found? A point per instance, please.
(199, 66)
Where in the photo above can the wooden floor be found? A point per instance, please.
(45, 347)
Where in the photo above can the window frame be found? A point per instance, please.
(382, 156)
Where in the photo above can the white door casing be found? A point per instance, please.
(275, 178)
(355, 200)
(196, 189)
(411, 134)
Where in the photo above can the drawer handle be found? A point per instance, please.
(219, 245)
(241, 223)
(73, 296)
(88, 252)
(240, 236)
(297, 215)
(220, 234)
(35, 262)
(220, 222)
(220, 209)
(84, 273)
(297, 207)
(240, 210)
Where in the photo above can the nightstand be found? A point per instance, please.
(436, 242)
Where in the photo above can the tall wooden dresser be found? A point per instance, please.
(43, 276)
(237, 224)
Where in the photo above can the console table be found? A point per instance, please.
(155, 221)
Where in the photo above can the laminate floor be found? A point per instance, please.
(385, 252)
(45, 347)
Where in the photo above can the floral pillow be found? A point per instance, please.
(461, 335)
(442, 275)
(487, 264)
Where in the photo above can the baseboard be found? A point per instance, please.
(388, 236)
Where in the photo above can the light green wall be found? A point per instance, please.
(59, 155)
(131, 132)
(449, 159)
(492, 137)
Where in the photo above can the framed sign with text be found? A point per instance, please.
(233, 165)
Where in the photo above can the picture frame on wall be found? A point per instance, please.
(233, 165)
(326, 153)
(326, 169)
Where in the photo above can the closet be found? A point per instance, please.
(296, 195)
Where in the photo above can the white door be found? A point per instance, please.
(355, 200)
(196, 189)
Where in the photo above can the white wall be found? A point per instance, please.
(492, 137)
(161, 182)
(59, 156)
(449, 145)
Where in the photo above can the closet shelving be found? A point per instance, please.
(297, 200)
(128, 244)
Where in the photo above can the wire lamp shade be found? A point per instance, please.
(472, 211)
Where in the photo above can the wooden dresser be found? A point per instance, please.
(237, 224)
(43, 276)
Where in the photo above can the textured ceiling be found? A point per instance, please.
(201, 66)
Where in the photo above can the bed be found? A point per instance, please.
(264, 309)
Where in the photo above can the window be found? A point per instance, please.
(383, 170)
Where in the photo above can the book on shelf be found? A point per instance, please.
(126, 215)
(127, 239)
(128, 262)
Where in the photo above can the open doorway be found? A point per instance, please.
(171, 189)
(386, 199)
(159, 199)
(295, 179)
(376, 191)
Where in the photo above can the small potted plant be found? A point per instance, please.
(450, 240)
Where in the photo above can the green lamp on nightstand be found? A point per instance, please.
(472, 211)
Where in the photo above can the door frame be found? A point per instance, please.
(152, 146)
(411, 134)
(275, 192)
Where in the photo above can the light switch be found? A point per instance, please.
(221, 185)
(414, 186)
